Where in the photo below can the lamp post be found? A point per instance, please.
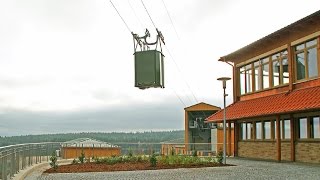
(224, 80)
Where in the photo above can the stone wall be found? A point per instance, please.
(285, 151)
(308, 152)
(257, 150)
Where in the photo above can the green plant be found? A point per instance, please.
(75, 161)
(194, 153)
(139, 158)
(54, 160)
(219, 157)
(153, 160)
(130, 154)
(81, 157)
(172, 151)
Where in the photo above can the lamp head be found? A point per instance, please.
(224, 79)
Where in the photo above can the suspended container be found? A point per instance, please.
(148, 64)
(149, 69)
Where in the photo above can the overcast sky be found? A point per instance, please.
(67, 65)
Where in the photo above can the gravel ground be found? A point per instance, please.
(244, 169)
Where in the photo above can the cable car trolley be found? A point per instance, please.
(148, 63)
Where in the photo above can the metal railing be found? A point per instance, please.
(17, 157)
(202, 149)
(14, 158)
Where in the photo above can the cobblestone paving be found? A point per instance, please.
(244, 169)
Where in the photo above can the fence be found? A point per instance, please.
(17, 157)
(141, 148)
(202, 149)
(14, 158)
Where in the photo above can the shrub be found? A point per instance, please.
(172, 151)
(195, 153)
(153, 160)
(54, 160)
(130, 154)
(75, 161)
(82, 157)
(219, 157)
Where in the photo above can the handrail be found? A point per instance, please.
(14, 158)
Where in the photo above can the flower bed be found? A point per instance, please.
(134, 163)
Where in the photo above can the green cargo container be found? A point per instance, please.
(149, 70)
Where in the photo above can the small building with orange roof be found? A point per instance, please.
(200, 136)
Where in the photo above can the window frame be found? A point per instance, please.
(312, 128)
(306, 60)
(282, 55)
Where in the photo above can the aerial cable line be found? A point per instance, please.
(158, 32)
(135, 14)
(148, 14)
(174, 62)
(169, 52)
(121, 17)
(161, 37)
(179, 97)
(181, 74)
(173, 58)
(175, 30)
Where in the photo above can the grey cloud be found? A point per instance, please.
(133, 117)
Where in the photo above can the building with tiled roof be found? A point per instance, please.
(89, 147)
(276, 94)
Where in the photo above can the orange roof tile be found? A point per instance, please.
(295, 101)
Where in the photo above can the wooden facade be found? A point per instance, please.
(282, 70)
(89, 152)
(90, 147)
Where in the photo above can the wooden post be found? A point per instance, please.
(290, 67)
(186, 130)
(236, 135)
(292, 138)
(278, 139)
(229, 138)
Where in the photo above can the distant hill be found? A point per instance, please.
(148, 136)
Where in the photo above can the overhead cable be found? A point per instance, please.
(121, 17)
(175, 30)
(135, 14)
(148, 14)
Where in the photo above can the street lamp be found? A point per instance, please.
(224, 80)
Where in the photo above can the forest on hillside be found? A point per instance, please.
(113, 137)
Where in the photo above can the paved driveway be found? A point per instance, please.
(244, 169)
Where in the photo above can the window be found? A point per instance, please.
(257, 76)
(261, 74)
(242, 80)
(243, 131)
(280, 71)
(265, 73)
(315, 127)
(249, 130)
(275, 129)
(258, 130)
(246, 131)
(303, 128)
(246, 79)
(268, 72)
(306, 60)
(286, 124)
(267, 130)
